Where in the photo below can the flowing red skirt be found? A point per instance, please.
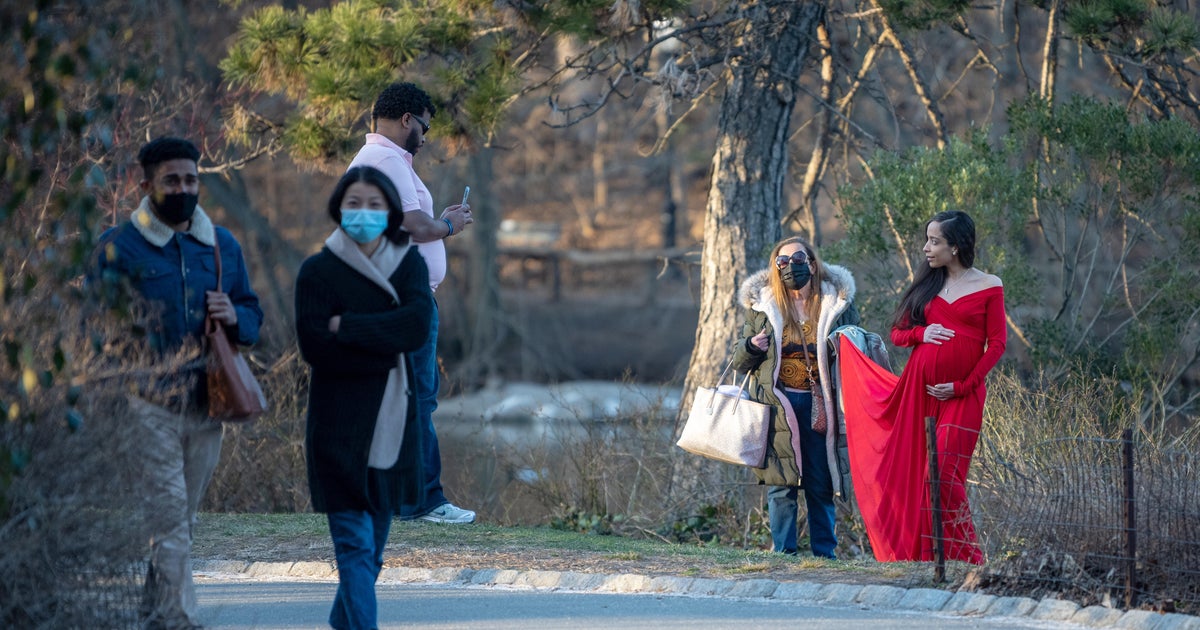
(885, 430)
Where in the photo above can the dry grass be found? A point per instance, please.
(303, 537)
(262, 462)
(1049, 497)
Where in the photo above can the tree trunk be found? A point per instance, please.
(745, 203)
(484, 329)
(1046, 91)
(599, 178)
(671, 180)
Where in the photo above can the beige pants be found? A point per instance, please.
(181, 452)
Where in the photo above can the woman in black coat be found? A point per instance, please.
(362, 304)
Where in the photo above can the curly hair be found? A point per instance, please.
(399, 99)
(164, 149)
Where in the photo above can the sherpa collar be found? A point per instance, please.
(159, 234)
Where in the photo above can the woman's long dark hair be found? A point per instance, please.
(959, 231)
(375, 177)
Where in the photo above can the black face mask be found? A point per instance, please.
(795, 277)
(176, 208)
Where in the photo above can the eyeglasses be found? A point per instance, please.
(424, 124)
(798, 258)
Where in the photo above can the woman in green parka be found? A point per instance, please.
(792, 306)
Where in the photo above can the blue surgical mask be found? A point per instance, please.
(363, 225)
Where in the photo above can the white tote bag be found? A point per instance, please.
(726, 426)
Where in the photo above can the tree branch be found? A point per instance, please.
(820, 153)
(906, 57)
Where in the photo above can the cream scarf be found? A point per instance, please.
(393, 412)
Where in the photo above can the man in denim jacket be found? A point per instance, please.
(166, 254)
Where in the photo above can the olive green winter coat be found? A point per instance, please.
(837, 309)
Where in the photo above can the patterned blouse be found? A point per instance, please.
(798, 360)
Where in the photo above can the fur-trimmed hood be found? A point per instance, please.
(838, 280)
(836, 308)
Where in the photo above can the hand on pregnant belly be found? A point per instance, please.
(941, 391)
(937, 333)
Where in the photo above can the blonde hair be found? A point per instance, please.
(812, 309)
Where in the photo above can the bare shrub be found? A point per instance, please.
(75, 541)
(595, 471)
(262, 465)
(591, 467)
(73, 521)
(1049, 495)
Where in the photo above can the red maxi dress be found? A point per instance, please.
(885, 428)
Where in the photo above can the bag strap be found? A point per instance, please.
(742, 387)
(211, 325)
(724, 373)
(728, 366)
(217, 255)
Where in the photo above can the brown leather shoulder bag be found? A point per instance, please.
(234, 395)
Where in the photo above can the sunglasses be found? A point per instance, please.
(421, 121)
(798, 258)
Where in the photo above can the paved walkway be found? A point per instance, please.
(873, 596)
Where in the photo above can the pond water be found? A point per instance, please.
(522, 453)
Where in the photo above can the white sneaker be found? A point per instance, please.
(449, 513)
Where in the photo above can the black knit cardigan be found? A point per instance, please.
(349, 375)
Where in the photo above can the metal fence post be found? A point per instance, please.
(939, 553)
(1130, 520)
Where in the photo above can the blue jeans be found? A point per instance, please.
(358, 541)
(818, 490)
(427, 383)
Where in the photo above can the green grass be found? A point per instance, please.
(296, 537)
(217, 532)
(226, 530)
(263, 525)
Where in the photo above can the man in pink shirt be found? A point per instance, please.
(401, 120)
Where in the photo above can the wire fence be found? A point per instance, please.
(1100, 521)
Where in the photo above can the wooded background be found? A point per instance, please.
(650, 152)
(672, 141)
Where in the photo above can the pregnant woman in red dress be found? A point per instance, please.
(953, 318)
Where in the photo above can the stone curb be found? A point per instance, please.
(871, 596)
